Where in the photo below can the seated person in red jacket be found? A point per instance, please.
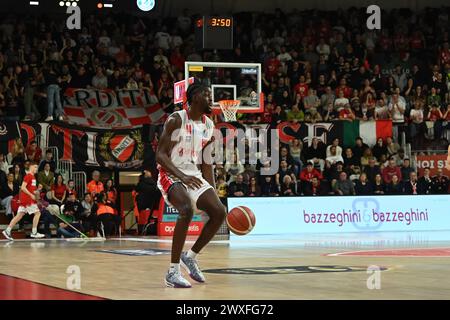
(390, 171)
(309, 172)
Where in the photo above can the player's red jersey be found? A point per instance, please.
(24, 198)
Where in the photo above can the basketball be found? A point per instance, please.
(241, 220)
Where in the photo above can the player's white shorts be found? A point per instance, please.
(166, 181)
(31, 209)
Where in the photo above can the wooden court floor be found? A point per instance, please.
(269, 269)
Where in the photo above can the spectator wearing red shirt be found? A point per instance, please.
(28, 204)
(435, 115)
(347, 113)
(309, 172)
(324, 28)
(272, 66)
(33, 152)
(122, 56)
(344, 88)
(164, 83)
(177, 59)
(390, 171)
(444, 54)
(446, 115)
(58, 192)
(301, 88)
(71, 188)
(416, 41)
(268, 110)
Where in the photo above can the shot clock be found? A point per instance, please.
(215, 32)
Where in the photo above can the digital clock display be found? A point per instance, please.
(220, 22)
(214, 32)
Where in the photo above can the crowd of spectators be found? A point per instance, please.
(317, 66)
(320, 170)
(91, 212)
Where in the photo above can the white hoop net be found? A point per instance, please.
(229, 109)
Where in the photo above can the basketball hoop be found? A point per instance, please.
(229, 109)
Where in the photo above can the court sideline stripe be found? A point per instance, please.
(165, 240)
(349, 253)
(38, 291)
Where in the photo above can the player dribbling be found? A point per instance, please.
(186, 181)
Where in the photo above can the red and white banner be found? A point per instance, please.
(112, 109)
(434, 163)
(179, 90)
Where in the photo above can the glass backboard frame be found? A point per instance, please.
(191, 67)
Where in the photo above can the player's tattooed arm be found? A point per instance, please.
(163, 155)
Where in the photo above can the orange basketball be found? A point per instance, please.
(241, 220)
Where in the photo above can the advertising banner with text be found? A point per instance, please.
(434, 163)
(298, 215)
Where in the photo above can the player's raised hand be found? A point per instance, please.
(192, 182)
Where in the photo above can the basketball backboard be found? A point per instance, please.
(230, 81)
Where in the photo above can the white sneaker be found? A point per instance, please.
(37, 235)
(61, 118)
(174, 279)
(7, 235)
(48, 119)
(191, 266)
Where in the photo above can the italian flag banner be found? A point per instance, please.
(369, 131)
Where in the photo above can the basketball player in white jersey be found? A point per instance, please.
(186, 181)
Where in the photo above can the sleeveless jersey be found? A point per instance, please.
(191, 139)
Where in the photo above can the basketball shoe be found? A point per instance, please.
(37, 235)
(8, 235)
(191, 266)
(174, 279)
